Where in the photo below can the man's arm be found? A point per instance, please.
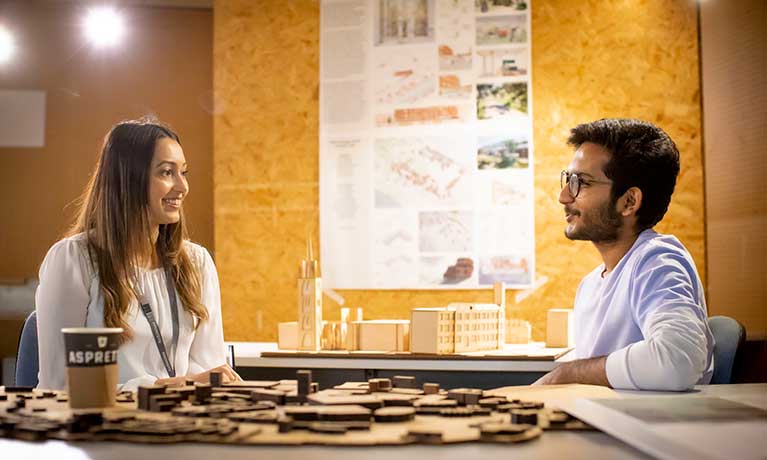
(589, 371)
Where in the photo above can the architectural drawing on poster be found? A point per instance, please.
(426, 148)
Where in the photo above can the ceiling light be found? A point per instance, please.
(104, 27)
(7, 46)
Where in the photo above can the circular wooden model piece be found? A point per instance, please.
(508, 432)
(524, 416)
(394, 414)
(327, 428)
(425, 435)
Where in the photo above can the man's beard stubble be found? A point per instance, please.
(599, 227)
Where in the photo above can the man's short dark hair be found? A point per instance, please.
(641, 155)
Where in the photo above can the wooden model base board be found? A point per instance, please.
(343, 416)
(542, 354)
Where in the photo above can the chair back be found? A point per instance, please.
(728, 336)
(27, 360)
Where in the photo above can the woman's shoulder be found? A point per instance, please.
(74, 245)
(197, 253)
(70, 251)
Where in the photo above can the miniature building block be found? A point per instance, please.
(265, 394)
(304, 378)
(147, 391)
(499, 294)
(524, 416)
(457, 328)
(163, 402)
(559, 328)
(518, 331)
(432, 330)
(333, 335)
(284, 424)
(478, 327)
(202, 392)
(465, 396)
(186, 392)
(403, 381)
(431, 388)
(287, 335)
(216, 379)
(309, 313)
(380, 335)
(379, 384)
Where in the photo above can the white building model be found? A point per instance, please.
(457, 328)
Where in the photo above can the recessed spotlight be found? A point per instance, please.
(7, 46)
(104, 27)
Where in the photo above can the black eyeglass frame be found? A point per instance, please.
(567, 178)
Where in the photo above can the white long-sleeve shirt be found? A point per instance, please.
(69, 295)
(648, 316)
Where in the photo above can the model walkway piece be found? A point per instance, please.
(284, 412)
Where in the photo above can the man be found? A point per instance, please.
(640, 317)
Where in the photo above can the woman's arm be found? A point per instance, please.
(208, 350)
(61, 301)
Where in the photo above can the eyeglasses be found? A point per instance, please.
(574, 182)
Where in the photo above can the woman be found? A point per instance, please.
(128, 262)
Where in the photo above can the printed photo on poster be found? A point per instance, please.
(447, 270)
(501, 30)
(503, 152)
(400, 22)
(511, 269)
(505, 100)
(491, 7)
(502, 62)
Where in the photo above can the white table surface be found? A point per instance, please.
(248, 354)
(700, 439)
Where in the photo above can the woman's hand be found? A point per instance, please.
(227, 375)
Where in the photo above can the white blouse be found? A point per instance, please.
(69, 295)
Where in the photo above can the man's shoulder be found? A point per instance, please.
(659, 248)
(661, 256)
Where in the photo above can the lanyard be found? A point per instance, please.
(147, 310)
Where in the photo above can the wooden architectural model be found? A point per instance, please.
(433, 331)
(309, 303)
(335, 333)
(379, 335)
(559, 328)
(380, 411)
(457, 328)
(518, 331)
(287, 335)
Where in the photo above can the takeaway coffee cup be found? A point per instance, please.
(92, 376)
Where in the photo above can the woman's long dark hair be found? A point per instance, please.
(114, 215)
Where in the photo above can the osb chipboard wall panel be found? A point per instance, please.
(591, 59)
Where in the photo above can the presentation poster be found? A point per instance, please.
(426, 158)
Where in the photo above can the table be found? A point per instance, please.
(552, 445)
(458, 371)
(710, 422)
